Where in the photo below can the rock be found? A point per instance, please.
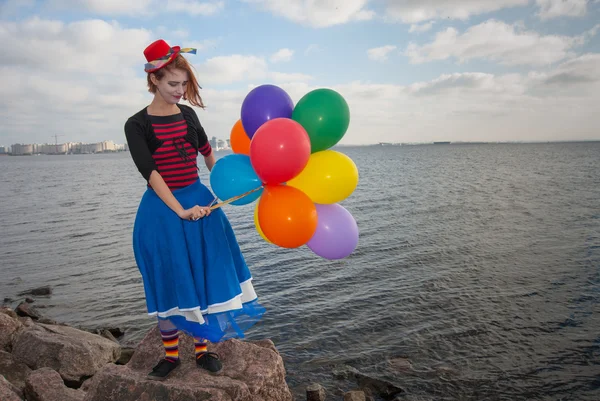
(46, 384)
(26, 310)
(29, 300)
(345, 372)
(45, 290)
(400, 364)
(8, 300)
(26, 321)
(315, 392)
(251, 371)
(355, 396)
(108, 335)
(8, 392)
(8, 328)
(126, 355)
(14, 371)
(382, 388)
(45, 320)
(9, 312)
(116, 331)
(74, 354)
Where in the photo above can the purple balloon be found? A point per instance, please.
(337, 232)
(262, 104)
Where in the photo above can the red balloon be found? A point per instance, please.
(279, 150)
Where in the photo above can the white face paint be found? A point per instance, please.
(173, 85)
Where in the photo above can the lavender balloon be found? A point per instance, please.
(262, 104)
(337, 232)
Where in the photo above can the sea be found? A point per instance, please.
(476, 276)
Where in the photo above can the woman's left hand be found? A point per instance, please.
(202, 211)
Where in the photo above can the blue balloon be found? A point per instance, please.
(233, 175)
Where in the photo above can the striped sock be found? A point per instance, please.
(170, 339)
(200, 345)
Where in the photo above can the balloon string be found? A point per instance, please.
(233, 199)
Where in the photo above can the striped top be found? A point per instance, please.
(176, 159)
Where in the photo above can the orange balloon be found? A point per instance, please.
(287, 216)
(240, 143)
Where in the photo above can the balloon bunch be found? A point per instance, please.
(282, 156)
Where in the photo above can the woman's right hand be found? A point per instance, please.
(194, 213)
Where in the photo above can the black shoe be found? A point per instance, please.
(162, 370)
(209, 361)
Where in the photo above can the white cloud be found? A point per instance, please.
(497, 41)
(416, 11)
(561, 8)
(318, 14)
(282, 55)
(139, 8)
(380, 53)
(420, 28)
(574, 77)
(78, 47)
(223, 70)
(312, 48)
(195, 7)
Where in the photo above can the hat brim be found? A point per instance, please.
(157, 65)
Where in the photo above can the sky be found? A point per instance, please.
(410, 70)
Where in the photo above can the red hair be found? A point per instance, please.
(192, 92)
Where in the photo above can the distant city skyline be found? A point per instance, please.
(83, 148)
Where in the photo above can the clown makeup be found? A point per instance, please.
(172, 85)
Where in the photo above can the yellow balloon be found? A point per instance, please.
(329, 177)
(257, 225)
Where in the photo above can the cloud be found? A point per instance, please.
(561, 8)
(380, 53)
(575, 77)
(497, 41)
(282, 55)
(317, 14)
(139, 8)
(420, 28)
(312, 48)
(416, 11)
(224, 70)
(81, 46)
(11, 7)
(194, 7)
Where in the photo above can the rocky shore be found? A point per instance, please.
(43, 360)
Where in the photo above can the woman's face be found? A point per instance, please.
(173, 85)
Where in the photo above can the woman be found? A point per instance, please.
(195, 277)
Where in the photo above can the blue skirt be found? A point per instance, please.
(194, 273)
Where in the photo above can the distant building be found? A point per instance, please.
(3, 150)
(20, 149)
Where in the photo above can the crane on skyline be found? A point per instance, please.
(55, 136)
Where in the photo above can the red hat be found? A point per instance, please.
(159, 54)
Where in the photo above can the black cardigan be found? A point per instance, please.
(143, 142)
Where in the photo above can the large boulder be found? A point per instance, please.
(8, 392)
(14, 371)
(74, 354)
(8, 328)
(252, 371)
(46, 384)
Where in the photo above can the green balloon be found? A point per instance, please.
(325, 116)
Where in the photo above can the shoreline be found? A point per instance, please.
(45, 360)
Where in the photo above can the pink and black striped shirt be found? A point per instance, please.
(176, 158)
